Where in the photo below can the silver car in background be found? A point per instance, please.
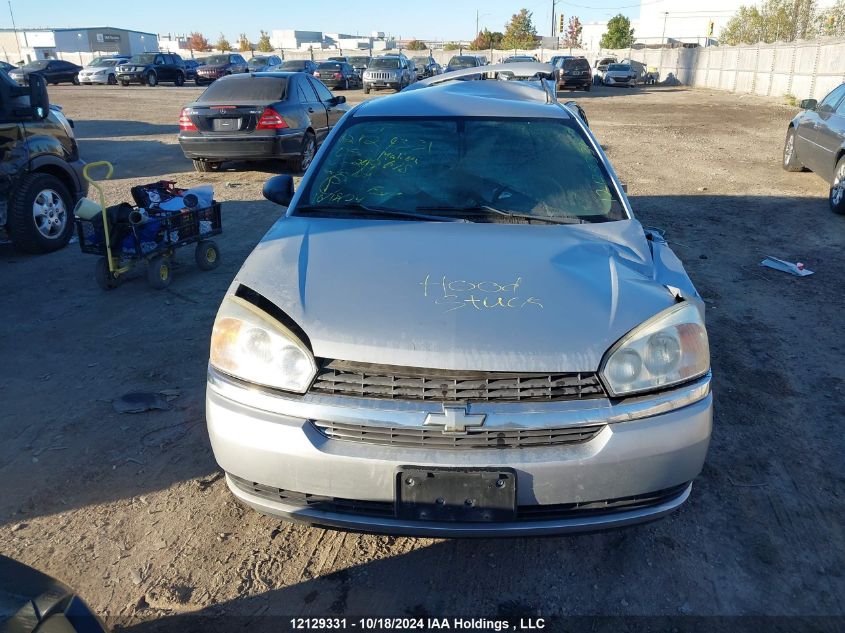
(388, 71)
(439, 339)
(101, 70)
(815, 139)
(620, 75)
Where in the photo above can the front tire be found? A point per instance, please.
(75, 80)
(159, 272)
(790, 155)
(152, 80)
(837, 188)
(180, 79)
(124, 82)
(366, 89)
(40, 214)
(112, 80)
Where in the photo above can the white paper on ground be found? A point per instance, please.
(787, 267)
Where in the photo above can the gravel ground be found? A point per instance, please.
(132, 511)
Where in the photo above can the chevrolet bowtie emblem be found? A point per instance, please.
(454, 419)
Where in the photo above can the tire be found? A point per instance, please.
(790, 156)
(309, 148)
(104, 278)
(159, 272)
(180, 79)
(75, 80)
(152, 79)
(207, 255)
(204, 166)
(366, 89)
(124, 82)
(112, 80)
(40, 214)
(837, 188)
(587, 88)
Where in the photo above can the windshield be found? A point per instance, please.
(455, 167)
(293, 65)
(217, 60)
(105, 61)
(463, 62)
(514, 60)
(384, 63)
(258, 62)
(621, 67)
(38, 64)
(142, 59)
(421, 61)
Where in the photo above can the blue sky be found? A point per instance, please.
(440, 19)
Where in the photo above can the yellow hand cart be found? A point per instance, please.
(125, 236)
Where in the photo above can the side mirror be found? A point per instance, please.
(808, 104)
(39, 102)
(279, 189)
(339, 99)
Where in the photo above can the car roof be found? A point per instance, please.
(466, 98)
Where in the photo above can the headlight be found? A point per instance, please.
(251, 345)
(668, 349)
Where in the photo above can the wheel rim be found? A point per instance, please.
(210, 255)
(837, 192)
(789, 149)
(49, 213)
(308, 154)
(163, 272)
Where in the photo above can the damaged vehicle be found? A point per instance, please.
(438, 340)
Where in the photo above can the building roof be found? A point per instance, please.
(81, 28)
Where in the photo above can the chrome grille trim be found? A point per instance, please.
(380, 75)
(405, 383)
(420, 437)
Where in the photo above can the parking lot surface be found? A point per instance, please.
(131, 510)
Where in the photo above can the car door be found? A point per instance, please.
(334, 110)
(317, 112)
(810, 152)
(830, 135)
(238, 64)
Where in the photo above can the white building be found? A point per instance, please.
(76, 45)
(292, 39)
(685, 21)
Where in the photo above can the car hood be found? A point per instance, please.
(459, 296)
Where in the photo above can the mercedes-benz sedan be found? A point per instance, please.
(438, 339)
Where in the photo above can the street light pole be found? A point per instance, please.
(554, 2)
(15, 29)
(663, 37)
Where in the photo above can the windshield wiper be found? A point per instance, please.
(482, 209)
(379, 211)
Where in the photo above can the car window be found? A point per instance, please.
(463, 61)
(322, 92)
(239, 59)
(246, 87)
(841, 108)
(457, 163)
(829, 102)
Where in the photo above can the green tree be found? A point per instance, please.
(197, 42)
(619, 33)
(573, 33)
(772, 21)
(264, 44)
(486, 40)
(451, 46)
(244, 44)
(416, 45)
(222, 44)
(832, 20)
(520, 31)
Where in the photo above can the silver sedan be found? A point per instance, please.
(815, 140)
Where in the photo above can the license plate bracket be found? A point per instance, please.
(456, 494)
(227, 125)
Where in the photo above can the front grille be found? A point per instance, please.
(380, 76)
(420, 437)
(405, 383)
(382, 509)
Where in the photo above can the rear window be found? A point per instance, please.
(245, 89)
(576, 64)
(293, 65)
(330, 66)
(463, 61)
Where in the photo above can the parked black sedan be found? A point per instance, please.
(54, 71)
(815, 139)
(259, 116)
(338, 75)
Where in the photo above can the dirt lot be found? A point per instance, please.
(132, 511)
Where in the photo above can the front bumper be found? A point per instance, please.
(94, 79)
(244, 147)
(618, 81)
(382, 83)
(649, 448)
